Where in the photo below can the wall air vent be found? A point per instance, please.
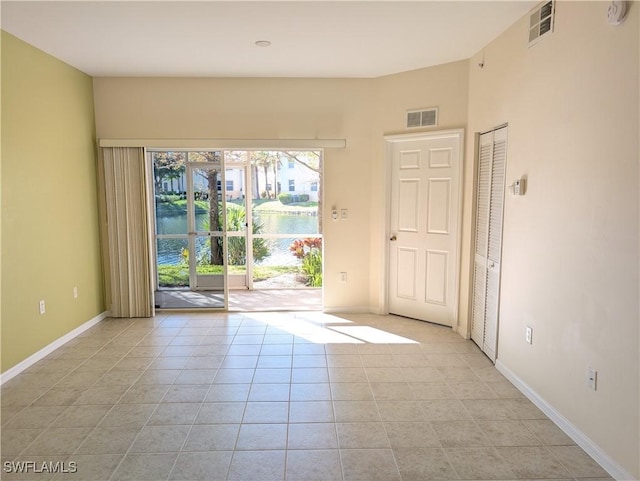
(422, 118)
(541, 22)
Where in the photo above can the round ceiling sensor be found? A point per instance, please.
(616, 12)
(263, 43)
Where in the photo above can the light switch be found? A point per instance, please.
(344, 214)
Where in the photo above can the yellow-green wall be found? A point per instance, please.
(50, 233)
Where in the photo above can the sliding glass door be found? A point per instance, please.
(189, 229)
(235, 219)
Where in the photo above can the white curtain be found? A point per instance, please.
(127, 232)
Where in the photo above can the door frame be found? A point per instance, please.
(390, 141)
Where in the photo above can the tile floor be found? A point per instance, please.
(276, 396)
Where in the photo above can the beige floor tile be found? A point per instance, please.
(488, 409)
(548, 433)
(20, 397)
(128, 415)
(214, 437)
(145, 394)
(174, 413)
(257, 465)
(93, 467)
(471, 390)
(460, 434)
(369, 465)
(310, 392)
(312, 436)
(356, 411)
(401, 411)
(206, 466)
(266, 412)
(508, 433)
(57, 441)
(479, 463)
(186, 393)
(532, 462)
(102, 395)
(160, 439)
(362, 435)
(34, 417)
(577, 462)
(524, 409)
(221, 413)
(262, 436)
(196, 376)
(109, 440)
(240, 362)
(234, 376)
(430, 390)
(313, 465)
(145, 467)
(396, 391)
(228, 392)
(444, 410)
(311, 412)
(309, 375)
(419, 464)
(412, 434)
(348, 374)
(14, 441)
(269, 392)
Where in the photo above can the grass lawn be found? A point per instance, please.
(178, 276)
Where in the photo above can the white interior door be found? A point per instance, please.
(424, 225)
(488, 240)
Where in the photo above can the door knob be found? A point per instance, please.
(393, 238)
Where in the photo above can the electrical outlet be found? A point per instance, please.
(343, 277)
(592, 378)
(528, 334)
(42, 307)
(75, 292)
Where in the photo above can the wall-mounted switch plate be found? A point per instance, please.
(42, 307)
(528, 334)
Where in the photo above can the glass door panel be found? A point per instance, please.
(237, 220)
(206, 227)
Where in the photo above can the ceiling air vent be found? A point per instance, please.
(541, 22)
(422, 118)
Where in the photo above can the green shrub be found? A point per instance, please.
(285, 198)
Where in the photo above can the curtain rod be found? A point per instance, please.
(208, 144)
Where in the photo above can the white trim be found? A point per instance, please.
(206, 144)
(383, 287)
(581, 439)
(45, 351)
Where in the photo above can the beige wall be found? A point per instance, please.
(267, 109)
(358, 110)
(570, 250)
(50, 238)
(444, 86)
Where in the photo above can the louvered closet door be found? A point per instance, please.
(488, 240)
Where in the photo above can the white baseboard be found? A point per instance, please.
(581, 439)
(45, 351)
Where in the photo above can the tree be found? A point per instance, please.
(266, 160)
(312, 160)
(212, 176)
(167, 165)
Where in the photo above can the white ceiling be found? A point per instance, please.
(216, 39)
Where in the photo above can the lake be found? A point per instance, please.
(169, 250)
